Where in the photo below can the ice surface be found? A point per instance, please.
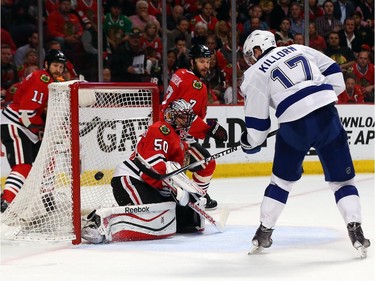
(310, 243)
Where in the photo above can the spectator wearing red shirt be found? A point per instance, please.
(315, 40)
(352, 93)
(151, 39)
(87, 11)
(9, 74)
(7, 39)
(154, 8)
(65, 26)
(51, 6)
(363, 69)
(315, 10)
(191, 7)
(206, 16)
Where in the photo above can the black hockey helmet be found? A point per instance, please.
(199, 51)
(55, 56)
(179, 108)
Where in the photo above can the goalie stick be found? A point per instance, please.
(218, 224)
(158, 176)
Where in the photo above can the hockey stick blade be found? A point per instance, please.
(218, 224)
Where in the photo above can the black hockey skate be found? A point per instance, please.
(358, 240)
(4, 205)
(211, 204)
(262, 239)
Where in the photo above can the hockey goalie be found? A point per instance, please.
(150, 208)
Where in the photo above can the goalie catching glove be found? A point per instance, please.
(217, 132)
(246, 146)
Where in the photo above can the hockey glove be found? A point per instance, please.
(217, 132)
(246, 146)
(181, 196)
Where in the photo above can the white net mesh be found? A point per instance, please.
(108, 131)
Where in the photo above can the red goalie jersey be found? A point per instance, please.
(159, 144)
(184, 84)
(30, 100)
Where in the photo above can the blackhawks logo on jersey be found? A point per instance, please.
(164, 130)
(45, 78)
(197, 84)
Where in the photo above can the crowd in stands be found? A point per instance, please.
(132, 43)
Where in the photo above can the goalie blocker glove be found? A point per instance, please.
(246, 146)
(217, 132)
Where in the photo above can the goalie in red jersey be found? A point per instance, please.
(188, 85)
(22, 123)
(150, 211)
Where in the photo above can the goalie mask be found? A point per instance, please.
(179, 114)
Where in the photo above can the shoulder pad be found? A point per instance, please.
(45, 78)
(197, 84)
(164, 130)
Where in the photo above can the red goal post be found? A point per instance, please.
(90, 128)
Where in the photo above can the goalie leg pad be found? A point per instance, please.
(140, 222)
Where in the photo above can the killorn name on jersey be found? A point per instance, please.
(282, 53)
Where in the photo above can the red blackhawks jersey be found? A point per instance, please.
(159, 144)
(29, 101)
(184, 84)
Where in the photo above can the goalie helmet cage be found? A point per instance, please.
(90, 128)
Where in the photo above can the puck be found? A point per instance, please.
(99, 176)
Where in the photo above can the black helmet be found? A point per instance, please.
(179, 108)
(199, 51)
(55, 56)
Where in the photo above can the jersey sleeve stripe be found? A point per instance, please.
(257, 124)
(332, 69)
(299, 95)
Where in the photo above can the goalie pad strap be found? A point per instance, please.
(140, 222)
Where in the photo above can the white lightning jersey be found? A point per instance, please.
(294, 80)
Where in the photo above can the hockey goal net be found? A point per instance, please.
(90, 128)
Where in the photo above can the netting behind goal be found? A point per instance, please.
(80, 149)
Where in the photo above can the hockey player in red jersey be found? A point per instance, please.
(22, 123)
(187, 84)
(133, 185)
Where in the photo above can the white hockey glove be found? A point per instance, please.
(182, 196)
(180, 185)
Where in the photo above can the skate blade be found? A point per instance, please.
(256, 250)
(361, 249)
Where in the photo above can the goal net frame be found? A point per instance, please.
(139, 97)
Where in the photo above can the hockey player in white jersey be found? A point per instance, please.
(302, 85)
